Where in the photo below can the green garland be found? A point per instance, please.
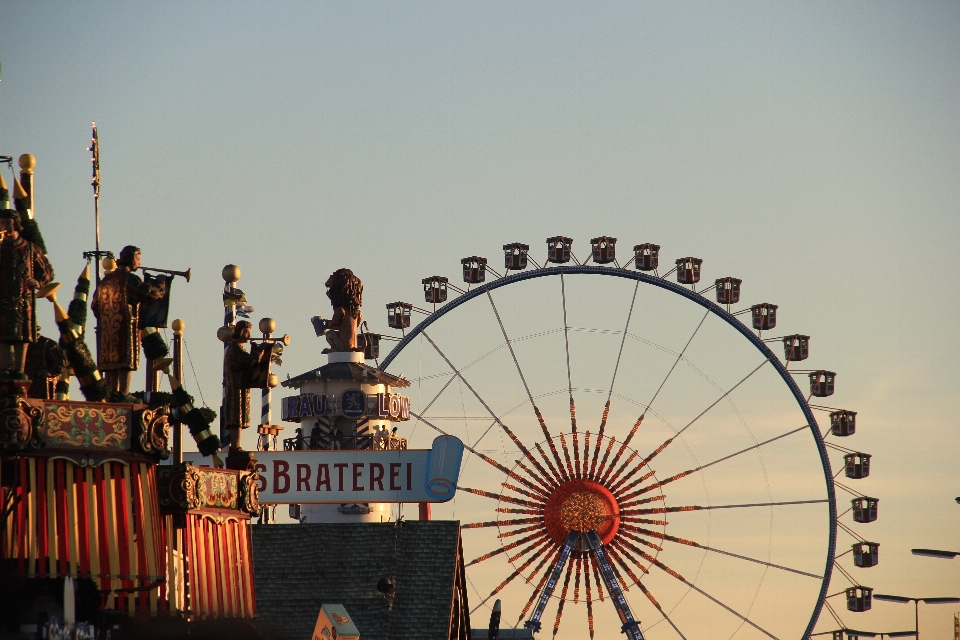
(154, 346)
(93, 387)
(31, 232)
(197, 419)
(78, 306)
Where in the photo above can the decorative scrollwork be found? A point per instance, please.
(81, 425)
(178, 487)
(249, 494)
(153, 432)
(19, 425)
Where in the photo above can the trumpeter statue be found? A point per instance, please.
(116, 304)
(237, 365)
(23, 269)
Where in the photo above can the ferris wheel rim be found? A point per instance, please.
(710, 307)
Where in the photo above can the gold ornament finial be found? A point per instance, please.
(18, 191)
(109, 264)
(86, 272)
(27, 162)
(225, 333)
(273, 381)
(178, 326)
(3, 185)
(267, 326)
(230, 273)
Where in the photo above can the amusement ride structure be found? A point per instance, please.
(702, 478)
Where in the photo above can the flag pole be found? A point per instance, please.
(94, 150)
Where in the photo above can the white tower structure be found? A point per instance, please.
(347, 405)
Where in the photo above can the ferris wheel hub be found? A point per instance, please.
(582, 505)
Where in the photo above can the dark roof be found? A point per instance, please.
(298, 567)
(348, 371)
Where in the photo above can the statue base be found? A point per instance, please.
(240, 460)
(18, 388)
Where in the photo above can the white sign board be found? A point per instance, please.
(352, 476)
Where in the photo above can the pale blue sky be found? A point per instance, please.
(812, 149)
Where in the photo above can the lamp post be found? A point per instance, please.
(935, 553)
(916, 605)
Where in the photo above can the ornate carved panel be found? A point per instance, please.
(20, 422)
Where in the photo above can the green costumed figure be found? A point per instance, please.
(116, 304)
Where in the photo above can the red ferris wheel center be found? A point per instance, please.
(581, 505)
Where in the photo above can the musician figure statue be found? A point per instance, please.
(237, 366)
(346, 295)
(116, 304)
(23, 269)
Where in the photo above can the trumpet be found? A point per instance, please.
(184, 274)
(285, 340)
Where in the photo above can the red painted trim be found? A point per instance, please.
(136, 481)
(42, 540)
(246, 548)
(222, 542)
(83, 522)
(100, 488)
(123, 516)
(22, 491)
(63, 536)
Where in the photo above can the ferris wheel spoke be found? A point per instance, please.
(566, 455)
(679, 358)
(573, 407)
(627, 497)
(563, 598)
(605, 471)
(522, 492)
(493, 415)
(500, 496)
(534, 549)
(722, 397)
(613, 380)
(576, 583)
(734, 612)
(656, 605)
(453, 377)
(614, 553)
(768, 564)
(615, 484)
(508, 580)
(655, 485)
(520, 531)
(505, 548)
(488, 459)
(756, 446)
(695, 507)
(556, 475)
(527, 512)
(500, 523)
(629, 535)
(679, 577)
(586, 582)
(596, 576)
(536, 410)
(691, 543)
(603, 461)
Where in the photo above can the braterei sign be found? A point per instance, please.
(352, 476)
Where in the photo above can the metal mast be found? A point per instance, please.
(94, 150)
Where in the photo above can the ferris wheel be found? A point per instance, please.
(632, 444)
